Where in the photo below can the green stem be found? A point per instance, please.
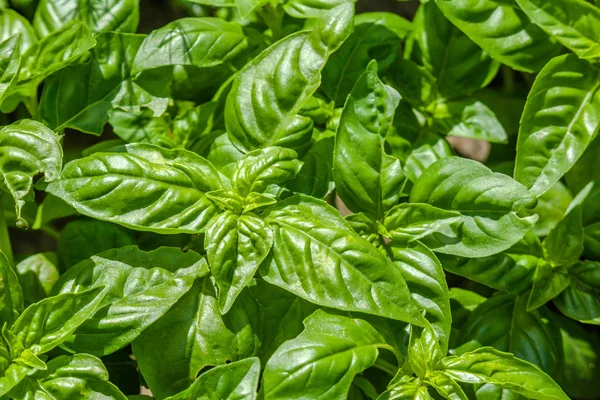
(4, 237)
(386, 367)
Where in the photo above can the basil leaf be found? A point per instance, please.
(10, 63)
(559, 121)
(37, 275)
(192, 335)
(323, 359)
(81, 375)
(367, 179)
(376, 36)
(503, 31)
(316, 177)
(235, 246)
(11, 297)
(548, 283)
(470, 119)
(13, 23)
(505, 324)
(551, 208)
(237, 380)
(488, 202)
(29, 149)
(200, 42)
(102, 83)
(407, 389)
(263, 105)
(459, 65)
(580, 300)
(98, 15)
(63, 314)
(507, 272)
(582, 351)
(82, 239)
(574, 23)
(424, 353)
(446, 386)
(564, 243)
(142, 187)
(282, 314)
(140, 287)
(261, 168)
(424, 154)
(311, 8)
(426, 281)
(413, 221)
(304, 227)
(51, 54)
(487, 365)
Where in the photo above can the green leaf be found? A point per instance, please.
(503, 31)
(78, 376)
(487, 365)
(264, 167)
(574, 23)
(282, 314)
(246, 7)
(51, 54)
(470, 119)
(98, 15)
(427, 284)
(37, 275)
(199, 42)
(425, 154)
(459, 65)
(551, 208)
(446, 386)
(28, 149)
(82, 239)
(316, 177)
(581, 300)
(10, 63)
(508, 272)
(413, 221)
(11, 295)
(424, 353)
(407, 389)
(45, 325)
(322, 361)
(309, 238)
(140, 288)
(141, 187)
(505, 324)
(488, 201)
(366, 179)
(263, 105)
(192, 335)
(415, 83)
(237, 380)
(548, 283)
(559, 121)
(142, 127)
(80, 96)
(376, 36)
(564, 243)
(311, 8)
(235, 245)
(13, 23)
(582, 353)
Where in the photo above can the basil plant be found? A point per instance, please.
(299, 199)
